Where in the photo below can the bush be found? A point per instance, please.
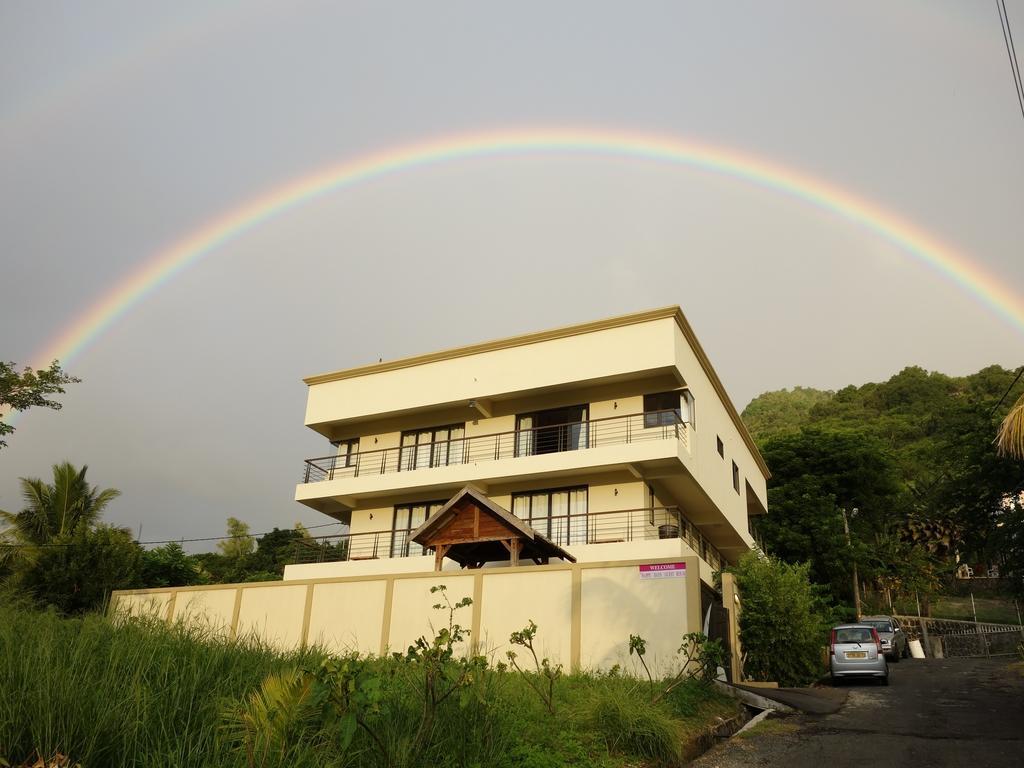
(784, 620)
(633, 725)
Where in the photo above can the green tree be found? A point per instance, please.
(782, 412)
(783, 620)
(51, 510)
(76, 572)
(29, 389)
(816, 474)
(170, 566)
(239, 542)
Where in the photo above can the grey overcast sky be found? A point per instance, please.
(124, 126)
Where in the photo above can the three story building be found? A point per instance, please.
(610, 441)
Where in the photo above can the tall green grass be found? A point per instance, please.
(136, 694)
(144, 694)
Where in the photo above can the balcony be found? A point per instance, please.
(552, 439)
(614, 527)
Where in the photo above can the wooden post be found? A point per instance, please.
(515, 552)
(439, 556)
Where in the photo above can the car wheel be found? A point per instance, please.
(835, 681)
(906, 651)
(895, 658)
(885, 680)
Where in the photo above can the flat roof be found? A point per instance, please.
(618, 321)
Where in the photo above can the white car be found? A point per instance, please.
(855, 650)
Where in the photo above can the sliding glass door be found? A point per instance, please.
(409, 517)
(552, 431)
(560, 515)
(432, 447)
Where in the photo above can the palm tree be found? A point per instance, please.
(52, 510)
(1010, 439)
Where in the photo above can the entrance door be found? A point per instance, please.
(552, 431)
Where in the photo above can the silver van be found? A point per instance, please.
(855, 650)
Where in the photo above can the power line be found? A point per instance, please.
(1011, 52)
(163, 541)
(1015, 380)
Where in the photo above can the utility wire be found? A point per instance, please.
(164, 541)
(1011, 52)
(1016, 379)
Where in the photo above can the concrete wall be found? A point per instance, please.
(585, 612)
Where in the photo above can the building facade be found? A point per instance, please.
(590, 479)
(614, 440)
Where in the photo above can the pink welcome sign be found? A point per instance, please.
(663, 571)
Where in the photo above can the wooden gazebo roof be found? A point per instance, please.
(473, 530)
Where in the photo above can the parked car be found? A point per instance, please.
(855, 650)
(894, 639)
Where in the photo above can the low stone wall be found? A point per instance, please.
(965, 638)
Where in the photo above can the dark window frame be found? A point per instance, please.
(658, 413)
(528, 495)
(721, 446)
(431, 507)
(563, 436)
(348, 458)
(405, 452)
(736, 476)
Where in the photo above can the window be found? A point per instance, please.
(432, 447)
(721, 446)
(735, 477)
(662, 409)
(559, 514)
(689, 409)
(409, 517)
(552, 431)
(348, 450)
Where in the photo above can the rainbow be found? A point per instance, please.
(165, 264)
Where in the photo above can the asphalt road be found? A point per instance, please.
(933, 714)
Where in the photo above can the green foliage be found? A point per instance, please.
(56, 550)
(545, 674)
(634, 725)
(783, 622)
(30, 389)
(119, 695)
(638, 646)
(77, 572)
(170, 566)
(57, 508)
(782, 412)
(138, 692)
(943, 484)
(240, 543)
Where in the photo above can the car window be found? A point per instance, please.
(881, 626)
(853, 635)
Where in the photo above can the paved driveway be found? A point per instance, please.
(934, 713)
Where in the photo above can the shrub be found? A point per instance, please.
(633, 725)
(784, 619)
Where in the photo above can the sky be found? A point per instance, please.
(125, 127)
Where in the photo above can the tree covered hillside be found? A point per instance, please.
(914, 456)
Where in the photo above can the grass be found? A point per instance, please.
(142, 693)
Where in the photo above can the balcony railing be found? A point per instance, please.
(556, 438)
(566, 530)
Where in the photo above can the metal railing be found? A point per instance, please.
(565, 530)
(555, 438)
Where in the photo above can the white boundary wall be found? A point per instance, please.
(585, 612)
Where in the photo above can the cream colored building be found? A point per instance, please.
(608, 453)
(614, 439)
